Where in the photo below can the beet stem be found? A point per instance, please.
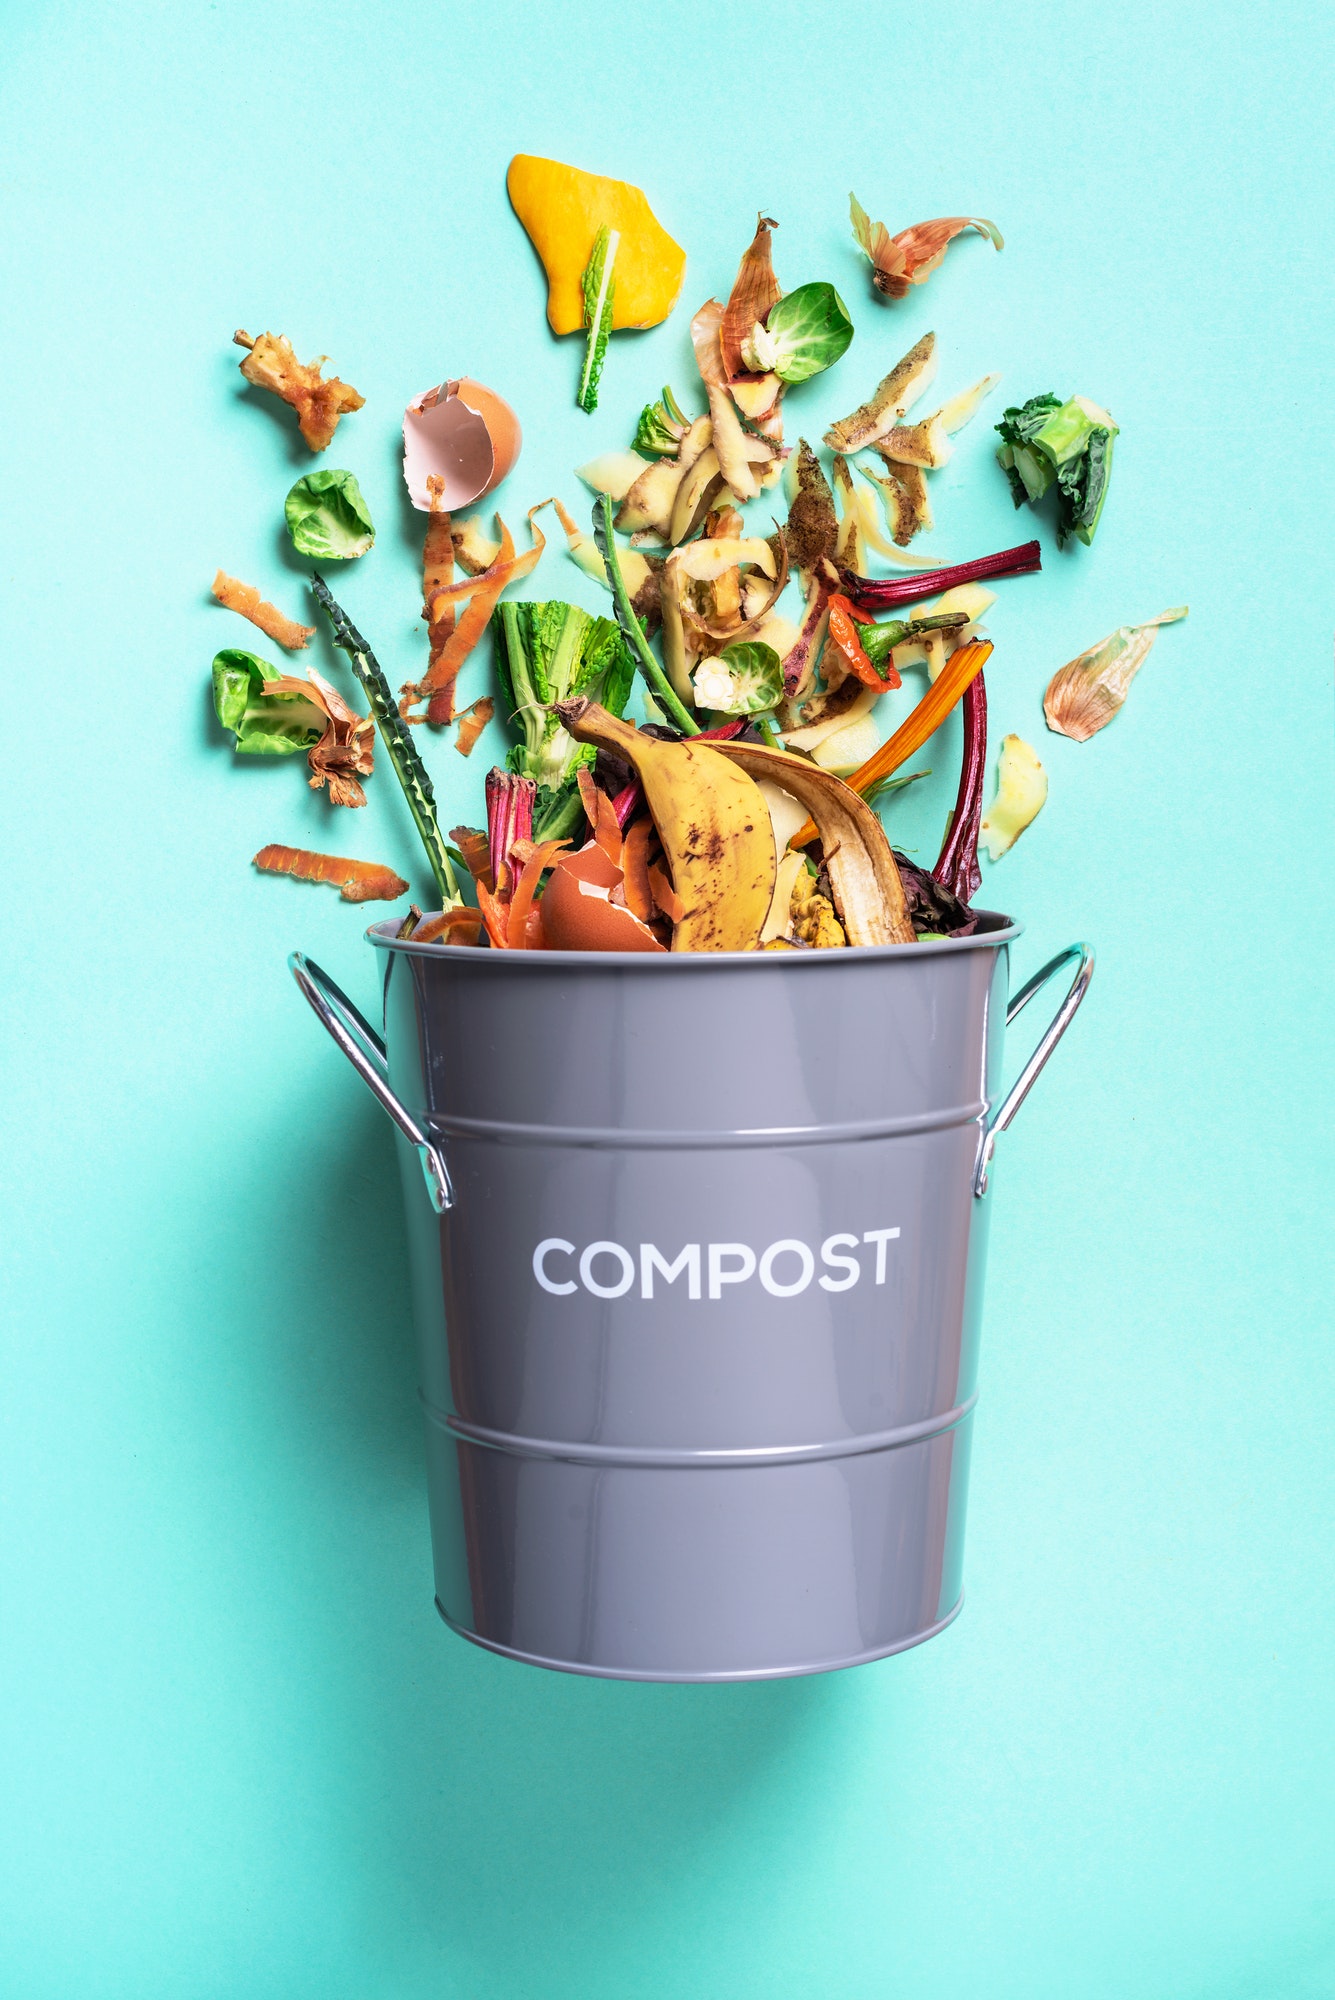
(957, 865)
(881, 592)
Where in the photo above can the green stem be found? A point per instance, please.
(408, 766)
(663, 691)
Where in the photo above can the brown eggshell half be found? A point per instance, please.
(577, 914)
(462, 433)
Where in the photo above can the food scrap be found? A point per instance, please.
(1046, 442)
(274, 714)
(1083, 696)
(263, 721)
(1022, 788)
(743, 812)
(563, 208)
(598, 288)
(911, 257)
(234, 595)
(436, 688)
(472, 721)
(357, 881)
(712, 821)
(407, 765)
(547, 653)
(327, 516)
(461, 436)
(271, 364)
(345, 751)
(907, 450)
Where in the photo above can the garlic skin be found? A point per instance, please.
(1083, 696)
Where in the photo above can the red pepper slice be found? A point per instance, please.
(843, 636)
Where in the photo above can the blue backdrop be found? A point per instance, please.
(240, 1754)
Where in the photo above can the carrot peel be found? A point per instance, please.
(357, 881)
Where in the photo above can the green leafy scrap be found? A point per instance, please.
(599, 290)
(327, 516)
(264, 725)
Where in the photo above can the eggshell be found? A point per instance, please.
(464, 434)
(577, 914)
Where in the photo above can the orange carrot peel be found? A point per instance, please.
(445, 924)
(357, 881)
(472, 722)
(234, 595)
(483, 591)
(601, 815)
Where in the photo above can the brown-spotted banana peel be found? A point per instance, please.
(867, 890)
(712, 820)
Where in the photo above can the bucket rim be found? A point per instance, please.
(1002, 930)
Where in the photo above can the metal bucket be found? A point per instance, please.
(697, 1251)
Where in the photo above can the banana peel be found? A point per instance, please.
(867, 889)
(713, 823)
(563, 208)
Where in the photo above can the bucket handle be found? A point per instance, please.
(1056, 1028)
(365, 1050)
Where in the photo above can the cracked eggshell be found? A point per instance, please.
(578, 913)
(462, 433)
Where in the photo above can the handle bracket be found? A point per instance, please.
(1056, 1028)
(365, 1050)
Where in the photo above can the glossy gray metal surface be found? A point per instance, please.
(698, 1337)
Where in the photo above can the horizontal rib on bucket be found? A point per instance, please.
(698, 1324)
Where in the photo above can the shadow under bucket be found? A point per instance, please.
(697, 1251)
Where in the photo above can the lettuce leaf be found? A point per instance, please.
(264, 725)
(550, 652)
(327, 516)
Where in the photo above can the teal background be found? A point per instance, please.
(240, 1754)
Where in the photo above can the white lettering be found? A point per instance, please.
(726, 1264)
(540, 1255)
(831, 1254)
(767, 1277)
(652, 1259)
(880, 1237)
(591, 1284)
(745, 1266)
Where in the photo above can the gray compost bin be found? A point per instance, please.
(697, 1253)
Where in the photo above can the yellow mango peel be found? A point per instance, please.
(563, 208)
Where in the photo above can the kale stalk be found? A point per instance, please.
(408, 766)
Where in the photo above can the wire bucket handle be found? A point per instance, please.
(364, 1049)
(1056, 1028)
